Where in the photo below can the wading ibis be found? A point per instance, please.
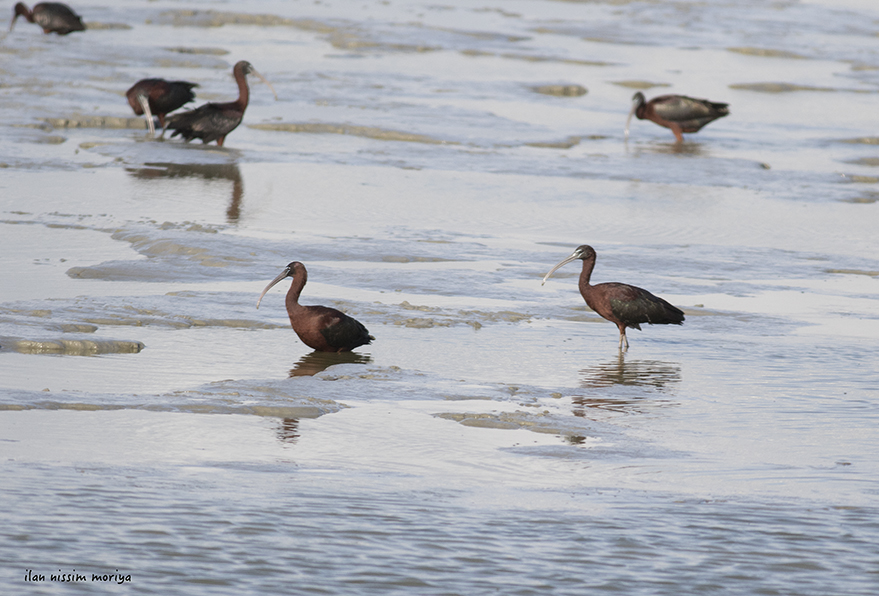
(149, 97)
(213, 121)
(319, 327)
(53, 17)
(677, 112)
(625, 305)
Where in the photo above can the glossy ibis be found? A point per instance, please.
(625, 305)
(677, 112)
(213, 121)
(158, 97)
(319, 327)
(53, 17)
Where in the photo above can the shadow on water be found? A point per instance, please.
(208, 172)
(288, 430)
(316, 362)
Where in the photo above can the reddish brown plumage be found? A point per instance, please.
(162, 96)
(319, 327)
(53, 17)
(676, 112)
(621, 304)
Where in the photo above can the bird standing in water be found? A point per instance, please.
(622, 304)
(677, 112)
(53, 17)
(319, 327)
(213, 121)
(149, 97)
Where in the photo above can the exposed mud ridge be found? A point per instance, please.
(79, 121)
(859, 179)
(342, 36)
(71, 347)
(641, 85)
(202, 51)
(767, 53)
(788, 88)
(369, 132)
(93, 26)
(865, 161)
(854, 272)
(865, 199)
(561, 90)
(214, 18)
(354, 40)
(177, 322)
(295, 412)
(532, 58)
(861, 141)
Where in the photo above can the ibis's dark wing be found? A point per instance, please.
(53, 16)
(208, 122)
(634, 306)
(346, 333)
(163, 96)
(691, 113)
(171, 95)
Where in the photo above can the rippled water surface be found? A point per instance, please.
(429, 163)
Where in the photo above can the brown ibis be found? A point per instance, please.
(622, 304)
(213, 121)
(158, 97)
(677, 112)
(319, 327)
(53, 17)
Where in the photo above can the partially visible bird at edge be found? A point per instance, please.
(676, 112)
(622, 304)
(53, 17)
(149, 97)
(213, 121)
(321, 328)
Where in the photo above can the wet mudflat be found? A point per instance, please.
(429, 164)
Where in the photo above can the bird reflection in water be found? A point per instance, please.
(288, 430)
(636, 373)
(316, 362)
(617, 371)
(207, 172)
(692, 149)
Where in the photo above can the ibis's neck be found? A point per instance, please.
(243, 90)
(295, 290)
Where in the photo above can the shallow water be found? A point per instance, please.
(429, 164)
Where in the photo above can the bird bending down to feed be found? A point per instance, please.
(213, 121)
(677, 112)
(319, 327)
(53, 17)
(625, 305)
(149, 97)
